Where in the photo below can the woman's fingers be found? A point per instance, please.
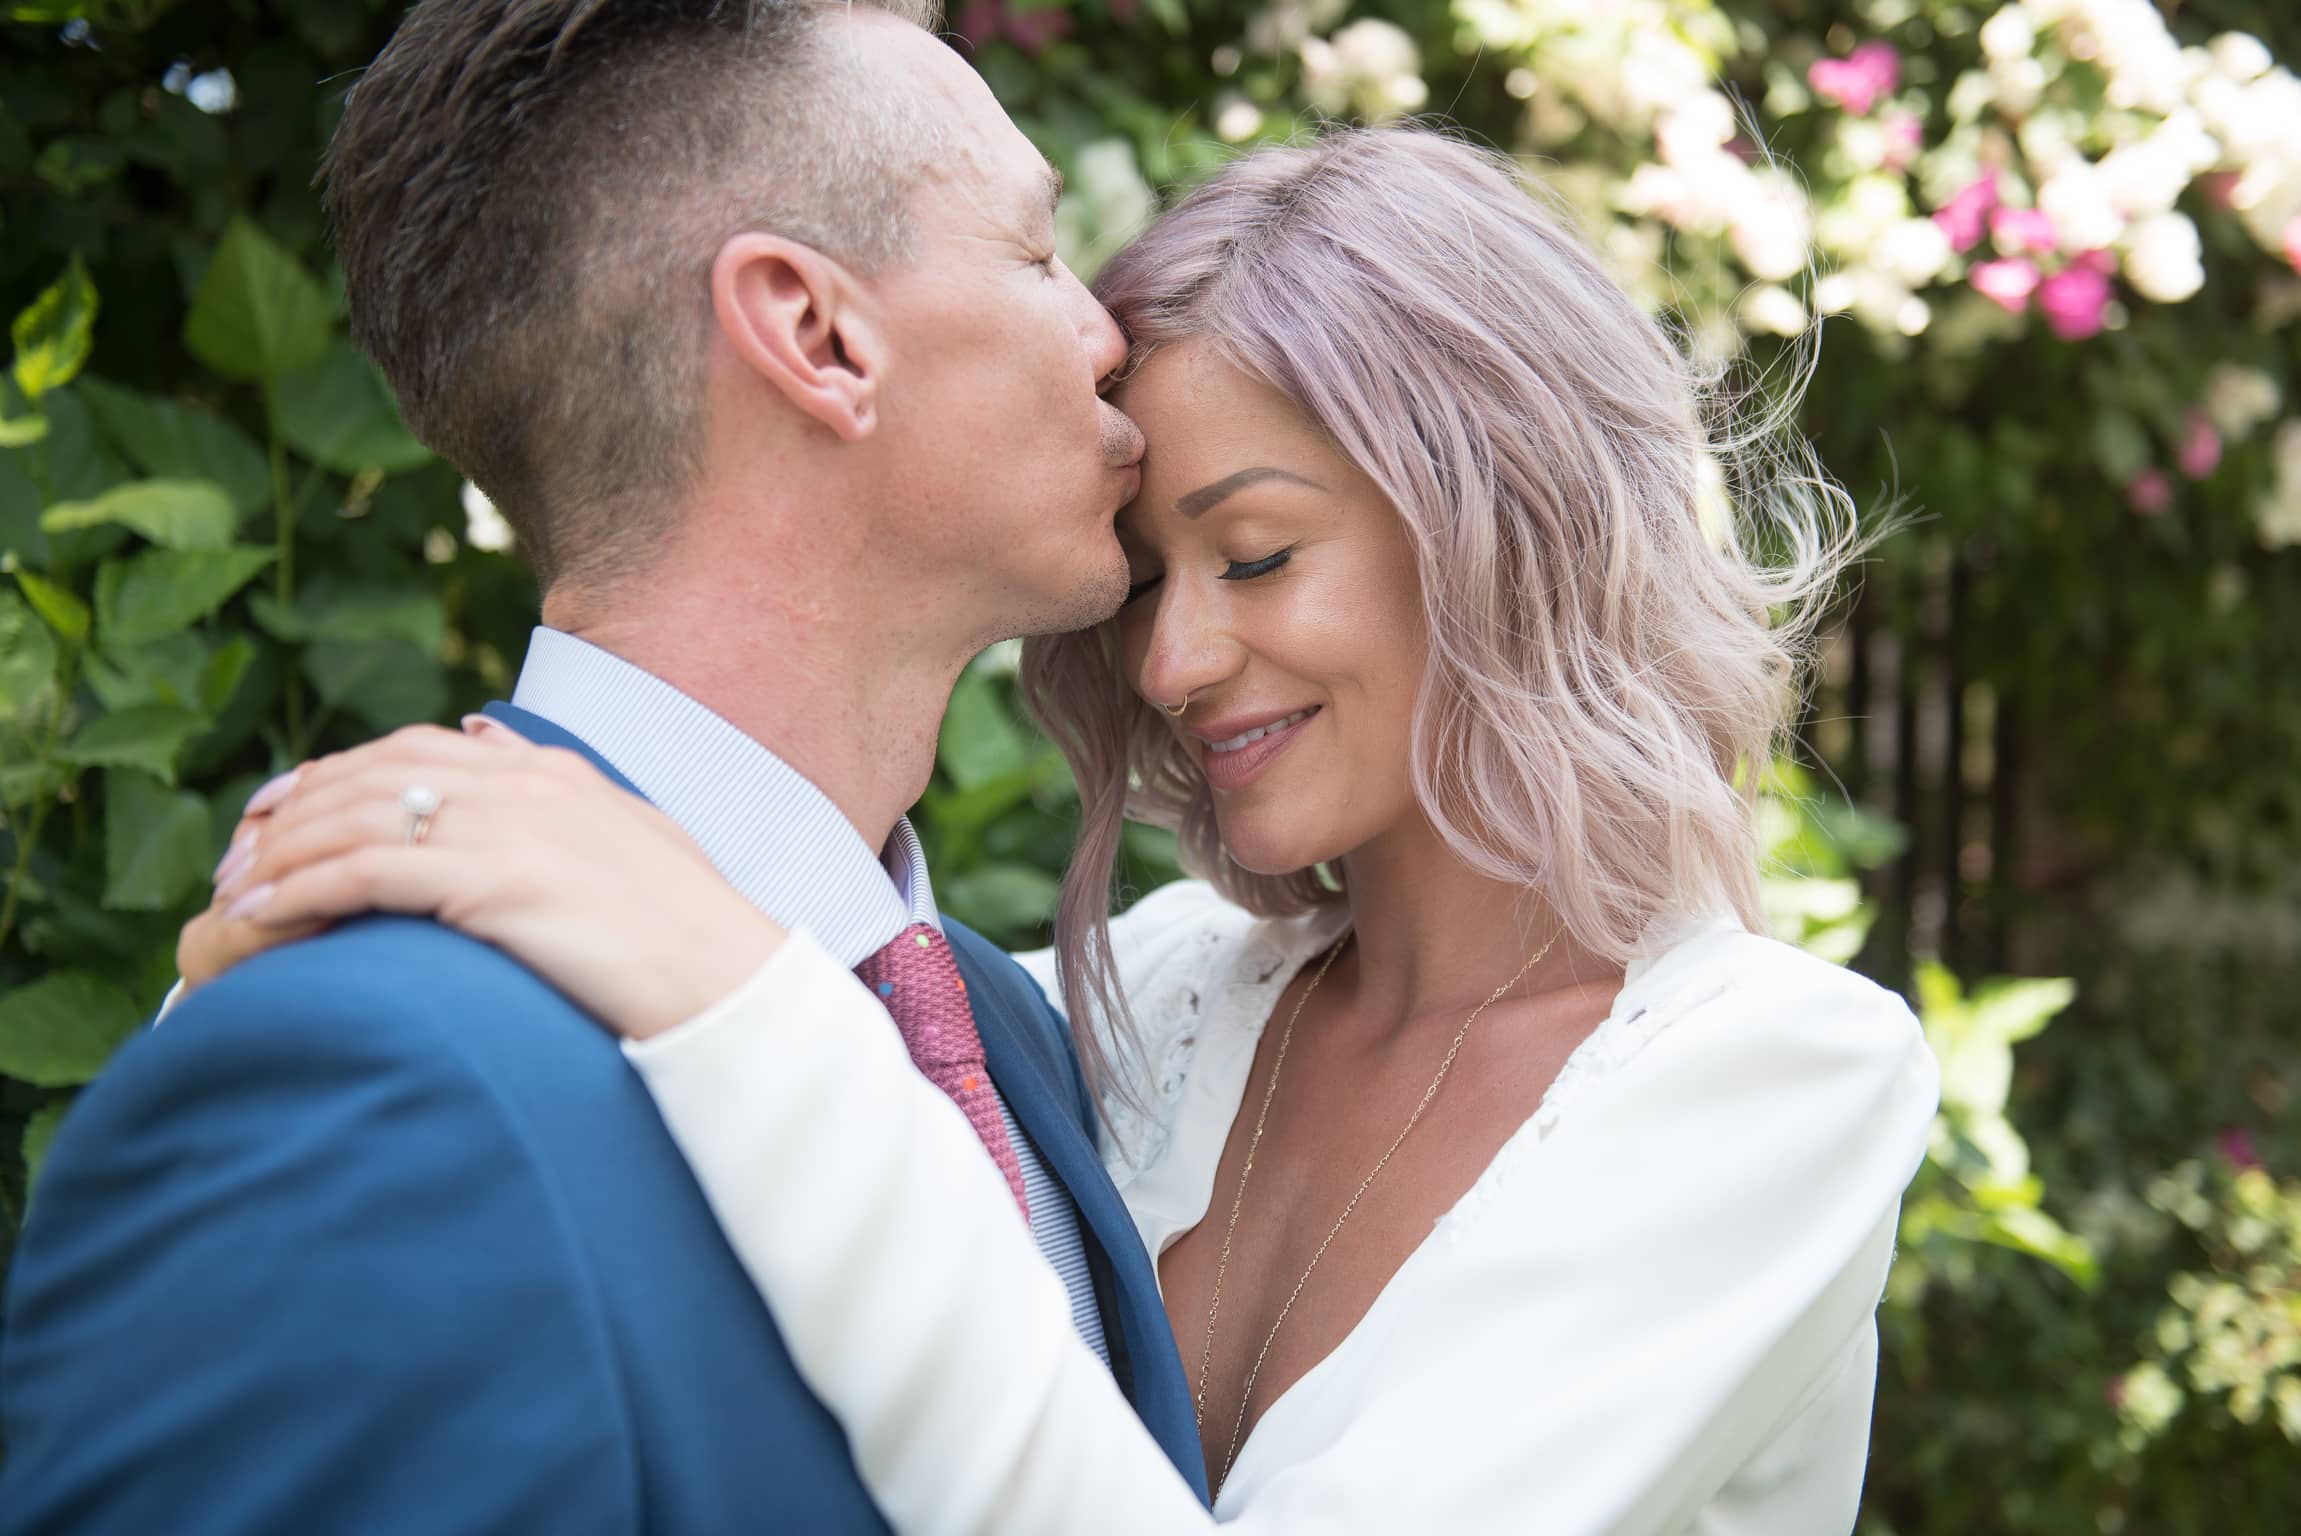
(371, 877)
(486, 796)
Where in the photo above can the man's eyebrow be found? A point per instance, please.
(1053, 185)
(1206, 496)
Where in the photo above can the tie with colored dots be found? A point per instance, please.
(919, 982)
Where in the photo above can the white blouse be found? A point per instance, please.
(1652, 1313)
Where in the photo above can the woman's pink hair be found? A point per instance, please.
(1606, 676)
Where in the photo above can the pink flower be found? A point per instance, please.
(1905, 136)
(2200, 451)
(1857, 81)
(2293, 242)
(2021, 229)
(2150, 493)
(1033, 30)
(2073, 300)
(981, 21)
(2007, 284)
(978, 20)
(2237, 1146)
(1964, 217)
(2097, 260)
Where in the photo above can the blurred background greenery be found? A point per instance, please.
(2048, 776)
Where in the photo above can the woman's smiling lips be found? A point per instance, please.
(1235, 749)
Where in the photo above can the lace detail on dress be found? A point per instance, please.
(1220, 969)
(1139, 1136)
(1604, 1051)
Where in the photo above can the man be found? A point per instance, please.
(746, 313)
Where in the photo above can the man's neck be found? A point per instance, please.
(838, 691)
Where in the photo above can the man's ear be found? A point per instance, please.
(803, 324)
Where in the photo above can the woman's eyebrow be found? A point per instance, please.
(1206, 496)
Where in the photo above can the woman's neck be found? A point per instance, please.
(1436, 937)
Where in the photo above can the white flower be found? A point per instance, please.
(2239, 56)
(2147, 176)
(1105, 203)
(1370, 67)
(1287, 23)
(2277, 517)
(2163, 258)
(2078, 203)
(1769, 230)
(1376, 49)
(1236, 118)
(1914, 250)
(1834, 294)
(2008, 34)
(1865, 209)
(483, 526)
(1771, 310)
(2017, 84)
(2238, 399)
(1971, 96)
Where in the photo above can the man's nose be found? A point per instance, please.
(1106, 343)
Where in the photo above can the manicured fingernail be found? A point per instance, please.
(272, 793)
(252, 903)
(236, 862)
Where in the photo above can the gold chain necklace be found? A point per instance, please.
(1262, 1118)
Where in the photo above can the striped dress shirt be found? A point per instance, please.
(781, 842)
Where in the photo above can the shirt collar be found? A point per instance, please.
(775, 837)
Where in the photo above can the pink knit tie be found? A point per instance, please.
(919, 982)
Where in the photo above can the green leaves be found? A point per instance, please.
(146, 736)
(1002, 899)
(386, 685)
(981, 742)
(177, 514)
(177, 442)
(156, 842)
(27, 656)
(339, 414)
(162, 590)
(57, 1031)
(258, 315)
(53, 336)
(65, 613)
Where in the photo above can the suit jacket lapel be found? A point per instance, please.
(1043, 1092)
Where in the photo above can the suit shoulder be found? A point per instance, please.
(380, 1001)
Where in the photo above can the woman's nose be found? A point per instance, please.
(1189, 650)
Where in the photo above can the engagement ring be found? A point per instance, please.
(421, 802)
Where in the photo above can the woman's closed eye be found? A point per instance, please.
(1237, 570)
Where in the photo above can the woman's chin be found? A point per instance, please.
(1275, 855)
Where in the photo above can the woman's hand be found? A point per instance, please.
(531, 850)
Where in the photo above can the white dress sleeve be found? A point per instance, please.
(1661, 1285)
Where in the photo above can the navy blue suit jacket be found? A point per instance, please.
(378, 1232)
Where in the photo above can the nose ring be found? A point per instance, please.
(1176, 712)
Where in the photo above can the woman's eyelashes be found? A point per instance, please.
(1247, 570)
(1237, 570)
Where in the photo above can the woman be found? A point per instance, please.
(1501, 1177)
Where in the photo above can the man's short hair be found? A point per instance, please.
(527, 198)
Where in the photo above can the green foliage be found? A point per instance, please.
(225, 553)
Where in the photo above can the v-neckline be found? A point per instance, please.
(1220, 1083)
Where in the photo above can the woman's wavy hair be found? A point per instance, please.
(1609, 666)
